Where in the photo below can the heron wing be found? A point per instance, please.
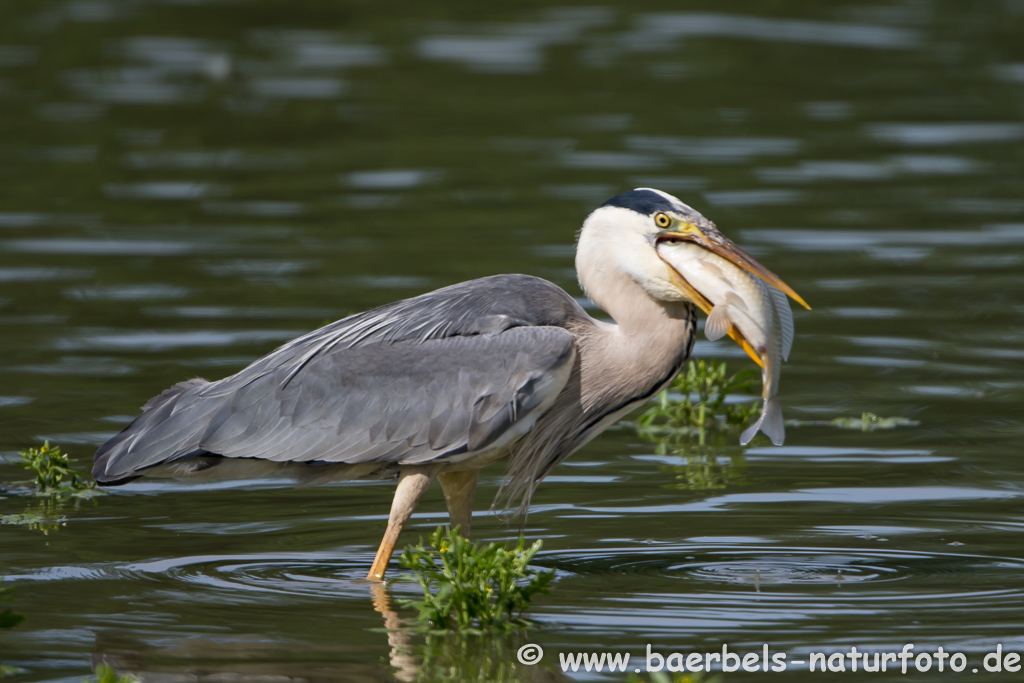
(367, 391)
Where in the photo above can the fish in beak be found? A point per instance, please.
(708, 237)
(742, 298)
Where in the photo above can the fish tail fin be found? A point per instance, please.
(773, 425)
(770, 422)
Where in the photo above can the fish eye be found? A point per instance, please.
(662, 220)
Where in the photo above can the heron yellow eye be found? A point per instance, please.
(662, 220)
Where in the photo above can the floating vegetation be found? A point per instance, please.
(9, 618)
(45, 516)
(867, 422)
(472, 587)
(701, 407)
(106, 674)
(55, 484)
(54, 475)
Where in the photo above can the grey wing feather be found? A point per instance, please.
(423, 379)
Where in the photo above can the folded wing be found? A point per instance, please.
(363, 390)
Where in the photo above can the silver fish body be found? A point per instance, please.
(748, 309)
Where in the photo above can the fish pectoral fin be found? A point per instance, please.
(718, 323)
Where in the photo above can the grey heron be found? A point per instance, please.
(437, 386)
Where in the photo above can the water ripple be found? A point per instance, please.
(931, 578)
(154, 340)
(321, 575)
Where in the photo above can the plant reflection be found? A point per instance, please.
(696, 419)
(416, 655)
(701, 401)
(704, 470)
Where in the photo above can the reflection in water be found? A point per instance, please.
(391, 179)
(208, 658)
(699, 462)
(941, 134)
(44, 514)
(714, 150)
(671, 26)
(401, 656)
(484, 658)
(47, 512)
(411, 654)
(99, 247)
(512, 48)
(705, 469)
(416, 655)
(694, 426)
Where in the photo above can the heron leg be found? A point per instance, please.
(459, 488)
(413, 481)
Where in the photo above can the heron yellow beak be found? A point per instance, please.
(716, 242)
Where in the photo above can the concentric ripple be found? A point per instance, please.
(780, 572)
(319, 575)
(849, 573)
(793, 572)
(752, 590)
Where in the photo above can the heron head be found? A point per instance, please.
(623, 233)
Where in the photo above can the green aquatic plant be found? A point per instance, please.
(9, 618)
(105, 674)
(867, 422)
(703, 388)
(53, 472)
(696, 414)
(470, 586)
(56, 484)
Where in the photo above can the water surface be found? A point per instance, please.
(185, 185)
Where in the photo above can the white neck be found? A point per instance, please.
(652, 334)
(622, 273)
(634, 310)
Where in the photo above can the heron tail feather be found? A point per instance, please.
(117, 461)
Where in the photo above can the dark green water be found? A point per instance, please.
(184, 185)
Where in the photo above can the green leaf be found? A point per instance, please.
(468, 586)
(53, 472)
(106, 674)
(697, 404)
